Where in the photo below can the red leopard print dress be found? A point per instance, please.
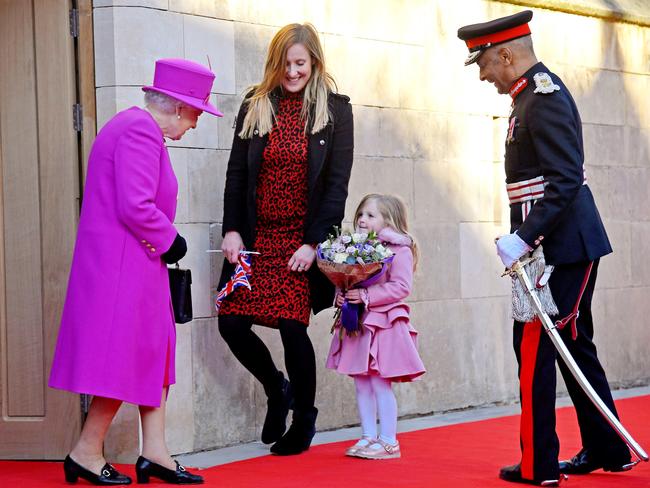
(281, 200)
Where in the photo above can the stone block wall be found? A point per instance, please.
(427, 129)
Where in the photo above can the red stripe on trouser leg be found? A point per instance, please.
(529, 346)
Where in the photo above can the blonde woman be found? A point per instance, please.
(286, 186)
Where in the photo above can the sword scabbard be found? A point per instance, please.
(551, 329)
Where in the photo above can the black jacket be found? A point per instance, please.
(329, 165)
(547, 141)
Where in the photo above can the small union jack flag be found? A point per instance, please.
(238, 278)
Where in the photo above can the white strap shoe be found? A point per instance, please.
(361, 444)
(380, 450)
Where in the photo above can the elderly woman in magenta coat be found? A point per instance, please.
(117, 337)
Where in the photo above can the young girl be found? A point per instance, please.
(385, 350)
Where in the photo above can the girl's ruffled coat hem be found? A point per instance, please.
(389, 351)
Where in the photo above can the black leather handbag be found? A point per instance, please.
(180, 286)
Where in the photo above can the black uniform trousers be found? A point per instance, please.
(536, 356)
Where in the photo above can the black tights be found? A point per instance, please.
(253, 354)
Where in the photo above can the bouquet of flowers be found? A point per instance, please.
(352, 259)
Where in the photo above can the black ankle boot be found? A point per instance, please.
(109, 475)
(277, 408)
(145, 469)
(298, 437)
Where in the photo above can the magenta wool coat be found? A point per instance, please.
(387, 346)
(117, 336)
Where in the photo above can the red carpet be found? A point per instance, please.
(463, 455)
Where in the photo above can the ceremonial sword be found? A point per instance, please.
(518, 270)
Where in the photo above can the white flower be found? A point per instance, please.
(340, 257)
(380, 249)
(351, 250)
(356, 238)
(346, 239)
(363, 236)
(326, 245)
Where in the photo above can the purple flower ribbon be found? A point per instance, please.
(351, 312)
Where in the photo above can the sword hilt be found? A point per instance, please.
(512, 271)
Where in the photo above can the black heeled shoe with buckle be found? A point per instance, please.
(108, 477)
(145, 469)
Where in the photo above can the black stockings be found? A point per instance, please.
(253, 354)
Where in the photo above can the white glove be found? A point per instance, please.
(510, 248)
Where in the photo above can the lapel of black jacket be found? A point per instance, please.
(255, 155)
(317, 146)
(317, 150)
(257, 146)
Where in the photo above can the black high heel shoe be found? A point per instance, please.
(144, 469)
(109, 475)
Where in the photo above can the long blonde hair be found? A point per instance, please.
(260, 114)
(393, 210)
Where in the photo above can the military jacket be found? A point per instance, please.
(545, 139)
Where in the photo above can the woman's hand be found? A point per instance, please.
(354, 295)
(302, 259)
(340, 299)
(231, 245)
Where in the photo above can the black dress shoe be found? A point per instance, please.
(585, 462)
(144, 469)
(277, 408)
(109, 475)
(513, 474)
(298, 437)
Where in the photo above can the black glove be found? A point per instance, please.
(177, 250)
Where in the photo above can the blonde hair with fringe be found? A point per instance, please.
(260, 113)
(393, 210)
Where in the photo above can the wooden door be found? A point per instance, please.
(39, 205)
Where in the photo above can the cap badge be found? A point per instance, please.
(544, 83)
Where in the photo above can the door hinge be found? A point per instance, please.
(77, 117)
(74, 22)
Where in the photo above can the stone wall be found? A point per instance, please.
(426, 129)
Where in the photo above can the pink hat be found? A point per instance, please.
(186, 81)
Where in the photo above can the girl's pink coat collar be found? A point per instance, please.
(393, 237)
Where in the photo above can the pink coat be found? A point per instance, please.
(117, 336)
(388, 345)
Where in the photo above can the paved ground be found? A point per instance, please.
(255, 449)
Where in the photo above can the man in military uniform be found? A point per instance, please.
(550, 202)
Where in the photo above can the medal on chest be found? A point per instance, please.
(512, 127)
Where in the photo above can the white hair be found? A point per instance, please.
(524, 43)
(161, 102)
